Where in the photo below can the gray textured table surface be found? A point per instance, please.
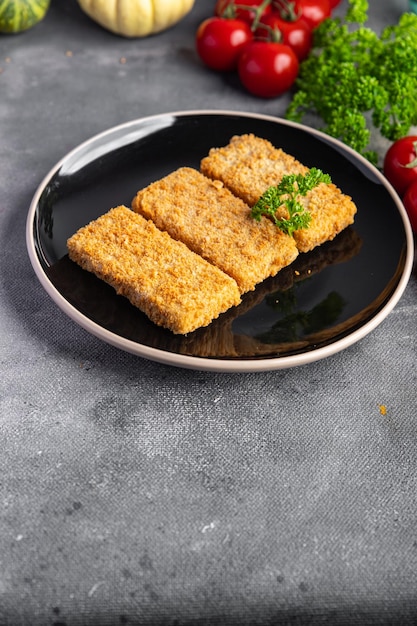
(136, 493)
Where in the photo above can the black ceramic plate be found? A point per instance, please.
(327, 300)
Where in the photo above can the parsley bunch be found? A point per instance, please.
(286, 194)
(357, 81)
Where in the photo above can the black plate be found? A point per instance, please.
(327, 300)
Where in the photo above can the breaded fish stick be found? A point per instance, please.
(248, 165)
(217, 225)
(172, 285)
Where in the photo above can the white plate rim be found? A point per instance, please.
(243, 365)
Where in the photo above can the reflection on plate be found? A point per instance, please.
(325, 301)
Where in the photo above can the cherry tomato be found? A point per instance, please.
(267, 69)
(334, 3)
(240, 12)
(410, 203)
(400, 163)
(313, 11)
(295, 33)
(220, 41)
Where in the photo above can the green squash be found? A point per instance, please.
(19, 15)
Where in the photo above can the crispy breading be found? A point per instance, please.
(331, 212)
(217, 225)
(248, 165)
(172, 285)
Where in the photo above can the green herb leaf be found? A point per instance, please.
(356, 82)
(286, 196)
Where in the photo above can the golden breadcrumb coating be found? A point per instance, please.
(331, 212)
(190, 247)
(248, 165)
(217, 225)
(172, 285)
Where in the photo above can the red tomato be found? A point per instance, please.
(313, 11)
(410, 203)
(334, 3)
(220, 41)
(295, 33)
(400, 163)
(267, 69)
(239, 11)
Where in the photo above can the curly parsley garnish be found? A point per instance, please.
(286, 195)
(358, 82)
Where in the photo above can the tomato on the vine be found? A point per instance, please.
(267, 69)
(240, 11)
(313, 11)
(410, 203)
(219, 42)
(400, 163)
(296, 33)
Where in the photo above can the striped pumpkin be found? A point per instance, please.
(19, 15)
(136, 18)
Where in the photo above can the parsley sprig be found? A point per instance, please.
(286, 196)
(357, 83)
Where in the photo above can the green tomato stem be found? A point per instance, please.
(413, 163)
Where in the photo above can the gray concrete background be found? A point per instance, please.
(135, 493)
